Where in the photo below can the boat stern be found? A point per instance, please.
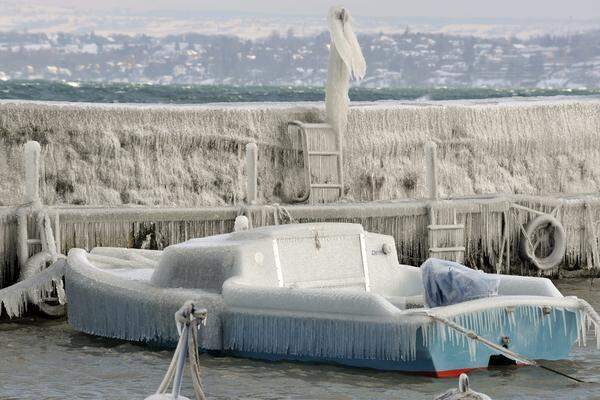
(536, 328)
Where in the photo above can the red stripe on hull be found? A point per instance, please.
(453, 373)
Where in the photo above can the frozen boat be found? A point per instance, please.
(320, 292)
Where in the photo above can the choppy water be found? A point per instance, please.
(45, 359)
(98, 92)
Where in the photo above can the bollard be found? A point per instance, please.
(431, 170)
(251, 173)
(31, 160)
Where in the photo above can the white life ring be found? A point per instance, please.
(560, 242)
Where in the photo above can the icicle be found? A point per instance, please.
(582, 326)
(16, 297)
(345, 58)
(317, 337)
(577, 322)
(472, 349)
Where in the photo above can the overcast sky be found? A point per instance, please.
(580, 9)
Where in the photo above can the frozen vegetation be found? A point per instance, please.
(194, 155)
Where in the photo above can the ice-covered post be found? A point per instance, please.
(22, 236)
(251, 172)
(431, 169)
(32, 173)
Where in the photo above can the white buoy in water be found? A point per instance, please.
(463, 392)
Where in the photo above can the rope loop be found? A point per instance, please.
(190, 315)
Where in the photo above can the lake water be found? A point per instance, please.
(46, 359)
(99, 92)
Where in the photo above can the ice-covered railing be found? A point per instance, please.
(36, 283)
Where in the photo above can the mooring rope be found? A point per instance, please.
(187, 319)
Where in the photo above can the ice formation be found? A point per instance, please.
(194, 155)
(134, 309)
(15, 298)
(502, 318)
(241, 223)
(36, 283)
(345, 60)
(308, 335)
(300, 307)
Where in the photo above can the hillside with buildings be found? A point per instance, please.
(394, 59)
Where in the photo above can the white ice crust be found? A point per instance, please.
(261, 283)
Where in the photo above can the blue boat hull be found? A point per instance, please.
(440, 352)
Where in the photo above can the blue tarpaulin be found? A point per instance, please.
(448, 282)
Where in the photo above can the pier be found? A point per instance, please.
(412, 171)
(491, 236)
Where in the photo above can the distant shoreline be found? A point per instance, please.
(314, 105)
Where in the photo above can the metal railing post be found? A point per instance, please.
(251, 173)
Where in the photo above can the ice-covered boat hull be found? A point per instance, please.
(317, 292)
(438, 351)
(431, 349)
(109, 305)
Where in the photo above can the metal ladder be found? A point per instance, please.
(322, 156)
(454, 233)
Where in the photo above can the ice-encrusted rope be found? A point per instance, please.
(187, 320)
